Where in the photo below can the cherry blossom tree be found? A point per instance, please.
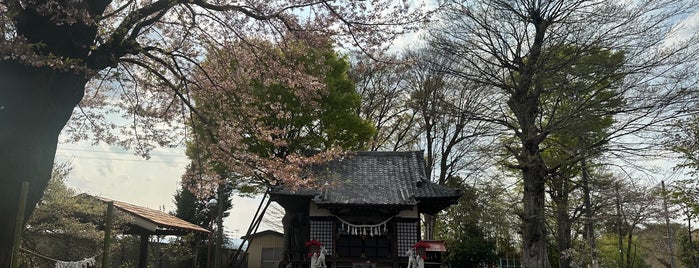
(272, 113)
(134, 59)
(266, 110)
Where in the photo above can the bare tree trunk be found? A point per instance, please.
(589, 225)
(691, 244)
(524, 103)
(564, 225)
(533, 224)
(35, 105)
(630, 255)
(670, 243)
(296, 233)
(620, 223)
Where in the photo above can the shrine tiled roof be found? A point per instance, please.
(373, 178)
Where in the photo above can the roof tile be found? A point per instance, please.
(373, 178)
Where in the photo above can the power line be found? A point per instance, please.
(121, 159)
(109, 152)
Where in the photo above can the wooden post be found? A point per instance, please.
(19, 224)
(143, 251)
(107, 234)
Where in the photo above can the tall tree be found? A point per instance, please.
(635, 205)
(272, 107)
(453, 138)
(461, 228)
(144, 50)
(416, 105)
(449, 130)
(568, 151)
(684, 195)
(273, 119)
(506, 45)
(201, 211)
(683, 139)
(382, 85)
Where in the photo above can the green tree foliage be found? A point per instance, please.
(273, 120)
(684, 194)
(276, 120)
(461, 227)
(684, 140)
(609, 253)
(65, 226)
(471, 252)
(580, 103)
(197, 210)
(688, 250)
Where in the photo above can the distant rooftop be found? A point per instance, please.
(265, 232)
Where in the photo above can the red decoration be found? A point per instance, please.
(313, 247)
(420, 249)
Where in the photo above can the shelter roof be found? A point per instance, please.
(373, 178)
(435, 245)
(152, 220)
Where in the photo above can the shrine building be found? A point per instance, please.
(365, 210)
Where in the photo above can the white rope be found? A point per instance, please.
(85, 263)
(365, 229)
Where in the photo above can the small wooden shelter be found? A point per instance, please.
(365, 211)
(146, 222)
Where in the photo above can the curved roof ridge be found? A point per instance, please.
(373, 178)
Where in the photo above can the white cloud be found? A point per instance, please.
(114, 173)
(684, 30)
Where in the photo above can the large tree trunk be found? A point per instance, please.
(533, 225)
(564, 232)
(296, 233)
(35, 104)
(525, 105)
(524, 102)
(560, 192)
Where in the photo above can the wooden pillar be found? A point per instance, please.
(106, 261)
(143, 251)
(394, 243)
(336, 236)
